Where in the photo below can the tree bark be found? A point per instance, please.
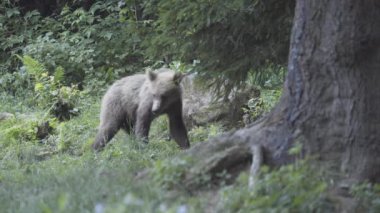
(331, 95)
(332, 89)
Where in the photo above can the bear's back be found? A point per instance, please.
(123, 95)
(129, 87)
(132, 82)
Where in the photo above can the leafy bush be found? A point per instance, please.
(59, 100)
(257, 107)
(114, 38)
(368, 197)
(24, 129)
(16, 83)
(76, 58)
(203, 133)
(270, 76)
(13, 132)
(170, 173)
(292, 188)
(228, 39)
(94, 47)
(15, 31)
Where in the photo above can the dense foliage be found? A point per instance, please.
(92, 46)
(50, 94)
(113, 38)
(225, 38)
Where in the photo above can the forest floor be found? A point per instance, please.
(61, 173)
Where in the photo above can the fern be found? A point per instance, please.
(50, 94)
(33, 67)
(58, 74)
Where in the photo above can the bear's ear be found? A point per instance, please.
(151, 75)
(178, 78)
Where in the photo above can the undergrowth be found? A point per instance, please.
(60, 172)
(291, 188)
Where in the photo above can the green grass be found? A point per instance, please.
(62, 173)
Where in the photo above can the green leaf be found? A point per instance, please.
(62, 201)
(108, 35)
(12, 11)
(38, 86)
(58, 74)
(296, 149)
(32, 66)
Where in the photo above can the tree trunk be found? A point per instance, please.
(332, 89)
(331, 96)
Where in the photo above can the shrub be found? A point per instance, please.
(170, 173)
(292, 188)
(50, 94)
(94, 47)
(203, 133)
(368, 197)
(23, 129)
(270, 76)
(257, 107)
(15, 31)
(76, 58)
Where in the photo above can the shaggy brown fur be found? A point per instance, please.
(134, 101)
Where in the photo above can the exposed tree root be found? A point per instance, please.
(214, 158)
(265, 142)
(257, 160)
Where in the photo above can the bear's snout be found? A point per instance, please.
(155, 112)
(156, 106)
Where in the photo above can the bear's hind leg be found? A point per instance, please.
(127, 126)
(105, 133)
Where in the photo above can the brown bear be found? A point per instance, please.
(133, 102)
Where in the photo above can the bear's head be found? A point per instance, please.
(165, 89)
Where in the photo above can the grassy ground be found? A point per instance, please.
(62, 174)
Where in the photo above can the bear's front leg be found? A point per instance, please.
(177, 127)
(143, 121)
